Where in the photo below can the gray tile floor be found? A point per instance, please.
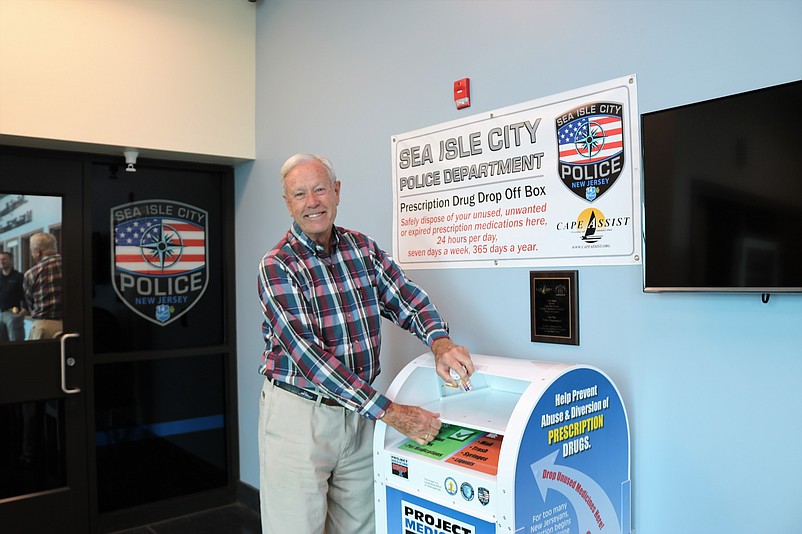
(231, 519)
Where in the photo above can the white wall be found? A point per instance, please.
(173, 78)
(711, 382)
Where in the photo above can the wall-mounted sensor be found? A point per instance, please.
(130, 159)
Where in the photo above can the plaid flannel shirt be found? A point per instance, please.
(322, 315)
(42, 287)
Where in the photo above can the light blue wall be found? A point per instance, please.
(712, 383)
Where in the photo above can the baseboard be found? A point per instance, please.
(248, 496)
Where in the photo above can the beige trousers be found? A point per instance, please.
(316, 466)
(45, 328)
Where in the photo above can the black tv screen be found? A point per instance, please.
(722, 193)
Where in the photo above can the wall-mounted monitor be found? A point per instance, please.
(722, 193)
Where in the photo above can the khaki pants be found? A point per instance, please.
(45, 328)
(316, 466)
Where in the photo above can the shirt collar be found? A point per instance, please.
(307, 242)
(49, 257)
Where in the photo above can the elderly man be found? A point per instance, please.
(42, 285)
(324, 291)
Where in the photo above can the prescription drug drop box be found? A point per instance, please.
(533, 448)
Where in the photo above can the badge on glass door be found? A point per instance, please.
(159, 264)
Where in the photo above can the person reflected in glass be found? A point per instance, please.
(12, 300)
(43, 288)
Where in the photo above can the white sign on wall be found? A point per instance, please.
(550, 182)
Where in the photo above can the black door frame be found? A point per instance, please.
(157, 511)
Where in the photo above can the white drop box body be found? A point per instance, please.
(535, 447)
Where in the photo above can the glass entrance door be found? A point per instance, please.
(43, 469)
(117, 371)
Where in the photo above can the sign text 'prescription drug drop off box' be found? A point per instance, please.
(534, 448)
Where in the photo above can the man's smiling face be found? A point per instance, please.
(312, 200)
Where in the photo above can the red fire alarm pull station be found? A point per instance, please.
(462, 93)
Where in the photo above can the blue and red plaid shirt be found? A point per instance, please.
(322, 315)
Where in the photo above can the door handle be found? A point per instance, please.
(64, 387)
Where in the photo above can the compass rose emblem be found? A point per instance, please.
(161, 245)
(589, 139)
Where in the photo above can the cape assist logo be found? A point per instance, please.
(591, 225)
(159, 259)
(590, 140)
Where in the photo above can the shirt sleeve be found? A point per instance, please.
(404, 302)
(290, 322)
(27, 290)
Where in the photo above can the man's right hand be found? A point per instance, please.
(413, 421)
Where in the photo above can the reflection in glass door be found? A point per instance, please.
(32, 455)
(43, 481)
(124, 411)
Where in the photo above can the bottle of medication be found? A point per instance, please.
(463, 385)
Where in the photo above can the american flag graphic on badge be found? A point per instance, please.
(159, 258)
(590, 141)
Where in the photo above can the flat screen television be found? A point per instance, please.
(722, 193)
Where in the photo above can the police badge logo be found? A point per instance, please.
(590, 141)
(159, 257)
(483, 494)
